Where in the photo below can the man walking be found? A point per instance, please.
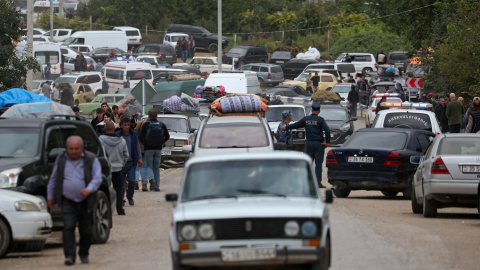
(134, 158)
(285, 136)
(353, 99)
(46, 89)
(184, 47)
(315, 79)
(95, 121)
(117, 153)
(76, 176)
(153, 135)
(473, 117)
(55, 92)
(105, 86)
(454, 113)
(143, 171)
(316, 142)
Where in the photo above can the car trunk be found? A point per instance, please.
(364, 159)
(462, 167)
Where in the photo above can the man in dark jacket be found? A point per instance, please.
(153, 151)
(353, 99)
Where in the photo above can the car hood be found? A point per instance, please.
(216, 151)
(335, 124)
(252, 207)
(10, 163)
(178, 135)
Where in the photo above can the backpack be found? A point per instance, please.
(154, 135)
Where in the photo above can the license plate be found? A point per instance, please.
(360, 159)
(166, 153)
(248, 254)
(471, 169)
(132, 39)
(280, 62)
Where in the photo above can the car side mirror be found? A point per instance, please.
(171, 197)
(279, 146)
(53, 154)
(415, 159)
(328, 196)
(193, 130)
(187, 148)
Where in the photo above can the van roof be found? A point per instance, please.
(176, 34)
(125, 64)
(125, 28)
(231, 75)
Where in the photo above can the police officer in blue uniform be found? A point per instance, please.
(316, 143)
(285, 136)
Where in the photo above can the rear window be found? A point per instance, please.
(167, 49)
(237, 135)
(274, 114)
(459, 146)
(281, 55)
(132, 33)
(320, 67)
(276, 69)
(239, 51)
(408, 120)
(327, 79)
(398, 56)
(370, 140)
(65, 80)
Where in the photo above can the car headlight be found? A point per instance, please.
(9, 178)
(180, 143)
(26, 206)
(300, 135)
(291, 228)
(188, 232)
(345, 127)
(206, 231)
(309, 228)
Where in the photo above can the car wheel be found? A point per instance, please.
(390, 193)
(102, 219)
(341, 192)
(416, 208)
(176, 265)
(94, 113)
(77, 102)
(4, 238)
(325, 262)
(407, 191)
(366, 70)
(261, 82)
(429, 207)
(213, 47)
(29, 246)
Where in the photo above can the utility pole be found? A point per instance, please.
(220, 43)
(29, 42)
(60, 11)
(51, 20)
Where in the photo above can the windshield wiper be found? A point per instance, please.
(206, 197)
(259, 191)
(233, 146)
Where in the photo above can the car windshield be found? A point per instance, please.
(281, 55)
(274, 114)
(459, 146)
(381, 87)
(341, 88)
(175, 124)
(147, 60)
(65, 80)
(408, 120)
(244, 178)
(233, 135)
(302, 77)
(19, 142)
(372, 140)
(333, 114)
(238, 51)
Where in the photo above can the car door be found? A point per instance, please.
(208, 65)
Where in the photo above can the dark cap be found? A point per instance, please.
(99, 110)
(316, 106)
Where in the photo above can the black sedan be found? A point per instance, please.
(103, 53)
(338, 120)
(287, 91)
(377, 159)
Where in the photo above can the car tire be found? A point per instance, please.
(407, 191)
(5, 238)
(416, 208)
(176, 265)
(325, 262)
(213, 47)
(341, 192)
(261, 82)
(389, 193)
(30, 246)
(366, 70)
(102, 219)
(429, 207)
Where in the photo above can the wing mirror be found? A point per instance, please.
(415, 159)
(172, 197)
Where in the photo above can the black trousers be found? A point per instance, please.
(117, 182)
(74, 213)
(454, 128)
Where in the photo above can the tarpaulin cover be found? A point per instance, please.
(37, 110)
(18, 96)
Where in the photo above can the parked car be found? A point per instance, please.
(25, 223)
(288, 91)
(371, 111)
(343, 89)
(326, 83)
(267, 73)
(294, 67)
(344, 68)
(246, 55)
(203, 38)
(59, 35)
(165, 52)
(339, 122)
(274, 117)
(399, 59)
(280, 57)
(377, 159)
(37, 86)
(251, 209)
(103, 53)
(205, 64)
(363, 62)
(82, 93)
(172, 38)
(447, 175)
(91, 107)
(69, 63)
(134, 37)
(153, 60)
(407, 118)
(93, 80)
(85, 49)
(29, 149)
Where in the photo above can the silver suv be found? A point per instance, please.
(363, 62)
(267, 73)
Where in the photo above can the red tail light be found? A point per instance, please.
(438, 167)
(331, 158)
(374, 109)
(141, 40)
(375, 65)
(153, 83)
(393, 159)
(160, 54)
(269, 76)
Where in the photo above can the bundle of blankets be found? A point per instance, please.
(238, 104)
(184, 103)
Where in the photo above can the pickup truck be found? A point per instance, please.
(205, 64)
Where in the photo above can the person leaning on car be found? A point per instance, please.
(75, 178)
(316, 141)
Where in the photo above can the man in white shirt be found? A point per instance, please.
(55, 92)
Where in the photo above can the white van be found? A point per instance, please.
(235, 82)
(96, 39)
(117, 72)
(48, 52)
(60, 35)
(133, 34)
(172, 38)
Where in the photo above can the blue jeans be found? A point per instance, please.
(128, 173)
(353, 109)
(316, 151)
(73, 212)
(184, 56)
(153, 159)
(142, 171)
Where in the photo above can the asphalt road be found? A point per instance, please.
(369, 231)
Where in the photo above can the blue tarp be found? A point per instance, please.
(17, 96)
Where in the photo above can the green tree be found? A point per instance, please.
(12, 67)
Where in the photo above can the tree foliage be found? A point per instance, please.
(12, 68)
